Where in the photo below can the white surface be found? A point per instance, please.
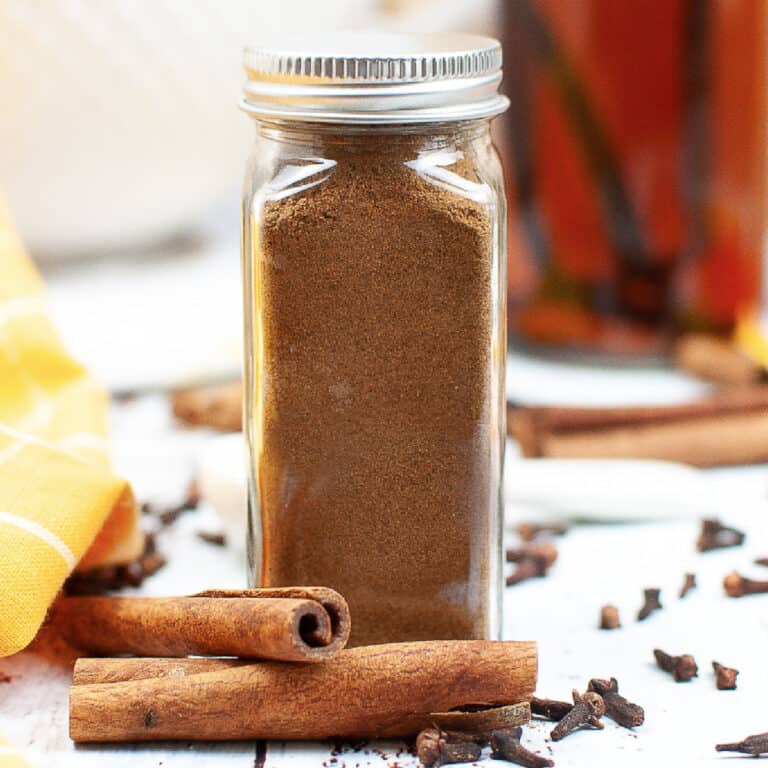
(170, 318)
(597, 564)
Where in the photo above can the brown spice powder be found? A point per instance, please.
(379, 414)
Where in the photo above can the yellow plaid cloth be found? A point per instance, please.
(59, 503)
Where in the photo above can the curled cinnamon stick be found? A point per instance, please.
(731, 428)
(366, 692)
(291, 624)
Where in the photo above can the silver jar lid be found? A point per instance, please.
(375, 78)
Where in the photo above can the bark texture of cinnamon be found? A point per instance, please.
(731, 428)
(365, 692)
(289, 624)
(218, 406)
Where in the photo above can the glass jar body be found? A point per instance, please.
(374, 273)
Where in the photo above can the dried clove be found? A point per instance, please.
(609, 617)
(736, 585)
(689, 583)
(434, 748)
(107, 578)
(586, 712)
(715, 535)
(616, 706)
(761, 561)
(169, 514)
(753, 745)
(725, 677)
(217, 538)
(505, 745)
(545, 552)
(531, 531)
(550, 709)
(533, 560)
(682, 668)
(651, 603)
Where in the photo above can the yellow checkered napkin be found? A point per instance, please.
(59, 503)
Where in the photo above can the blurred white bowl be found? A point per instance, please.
(118, 119)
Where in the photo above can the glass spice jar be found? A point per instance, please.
(374, 272)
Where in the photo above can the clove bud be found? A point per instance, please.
(689, 583)
(752, 745)
(616, 706)
(435, 748)
(715, 535)
(682, 668)
(533, 560)
(650, 605)
(609, 617)
(586, 712)
(725, 677)
(505, 745)
(736, 585)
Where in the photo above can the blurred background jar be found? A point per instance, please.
(636, 153)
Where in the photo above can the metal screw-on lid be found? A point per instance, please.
(370, 78)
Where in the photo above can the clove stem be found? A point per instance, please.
(505, 745)
(753, 745)
(617, 707)
(435, 748)
(586, 712)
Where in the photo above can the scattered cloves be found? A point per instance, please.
(434, 748)
(725, 677)
(736, 585)
(505, 745)
(753, 745)
(617, 707)
(715, 535)
(167, 515)
(586, 712)
(550, 709)
(609, 617)
(650, 605)
(682, 668)
(531, 531)
(533, 560)
(689, 583)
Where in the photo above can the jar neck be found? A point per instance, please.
(378, 138)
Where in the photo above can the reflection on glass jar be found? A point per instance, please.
(637, 160)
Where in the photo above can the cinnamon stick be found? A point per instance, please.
(218, 406)
(365, 692)
(717, 360)
(731, 428)
(290, 624)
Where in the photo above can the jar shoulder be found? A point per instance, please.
(466, 174)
